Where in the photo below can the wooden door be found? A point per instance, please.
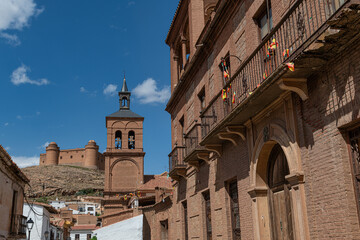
(279, 196)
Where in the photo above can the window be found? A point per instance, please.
(181, 121)
(354, 136)
(201, 96)
(90, 208)
(60, 157)
(131, 140)
(13, 212)
(164, 229)
(77, 236)
(118, 139)
(88, 237)
(185, 220)
(234, 209)
(71, 156)
(207, 204)
(82, 156)
(265, 21)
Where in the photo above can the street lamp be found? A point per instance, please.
(46, 235)
(29, 226)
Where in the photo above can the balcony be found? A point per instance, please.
(18, 226)
(177, 166)
(194, 153)
(302, 37)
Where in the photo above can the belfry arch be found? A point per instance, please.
(277, 208)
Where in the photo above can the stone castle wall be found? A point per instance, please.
(88, 157)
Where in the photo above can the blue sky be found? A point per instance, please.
(60, 64)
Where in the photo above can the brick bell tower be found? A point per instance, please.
(124, 156)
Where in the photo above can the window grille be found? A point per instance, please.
(234, 206)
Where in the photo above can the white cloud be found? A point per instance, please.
(19, 117)
(131, 3)
(87, 92)
(44, 145)
(15, 15)
(11, 39)
(19, 76)
(6, 124)
(7, 148)
(23, 161)
(110, 90)
(148, 92)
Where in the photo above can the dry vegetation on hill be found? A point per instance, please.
(64, 182)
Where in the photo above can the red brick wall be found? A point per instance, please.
(334, 97)
(333, 102)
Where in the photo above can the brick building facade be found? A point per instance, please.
(128, 192)
(265, 121)
(12, 185)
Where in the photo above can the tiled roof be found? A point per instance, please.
(84, 227)
(48, 207)
(172, 22)
(125, 114)
(12, 164)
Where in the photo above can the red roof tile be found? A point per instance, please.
(84, 227)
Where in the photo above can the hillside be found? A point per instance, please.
(64, 182)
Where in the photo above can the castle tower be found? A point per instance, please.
(52, 154)
(91, 155)
(124, 156)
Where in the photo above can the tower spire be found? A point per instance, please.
(124, 96)
(124, 86)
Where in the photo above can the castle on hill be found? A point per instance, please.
(88, 157)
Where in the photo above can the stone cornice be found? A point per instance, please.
(223, 14)
(124, 154)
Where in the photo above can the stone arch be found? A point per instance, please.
(118, 124)
(131, 125)
(127, 175)
(262, 148)
(271, 135)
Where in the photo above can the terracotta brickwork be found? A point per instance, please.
(125, 166)
(128, 192)
(284, 143)
(324, 120)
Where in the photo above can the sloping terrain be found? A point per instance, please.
(64, 182)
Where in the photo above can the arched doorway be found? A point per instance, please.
(277, 187)
(279, 197)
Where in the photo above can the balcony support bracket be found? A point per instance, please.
(204, 156)
(228, 136)
(297, 85)
(182, 172)
(217, 148)
(238, 130)
(195, 164)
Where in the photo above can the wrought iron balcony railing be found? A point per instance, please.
(18, 225)
(176, 158)
(281, 46)
(192, 139)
